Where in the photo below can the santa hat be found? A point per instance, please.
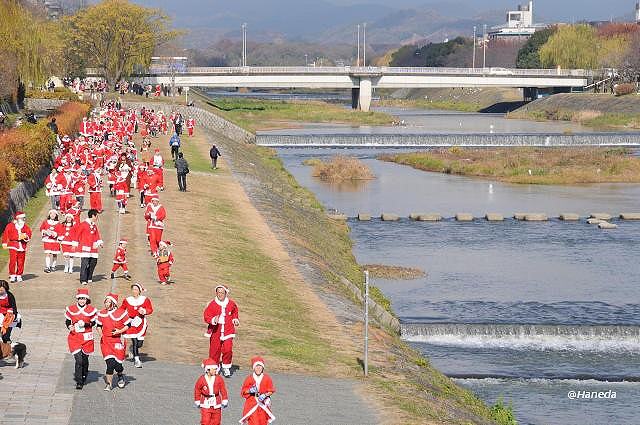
(20, 214)
(83, 293)
(157, 150)
(123, 241)
(209, 364)
(155, 197)
(139, 285)
(67, 215)
(65, 138)
(54, 211)
(257, 361)
(112, 297)
(226, 289)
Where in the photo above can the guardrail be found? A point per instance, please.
(348, 70)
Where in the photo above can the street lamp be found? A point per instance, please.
(484, 47)
(474, 46)
(306, 60)
(364, 44)
(358, 48)
(244, 44)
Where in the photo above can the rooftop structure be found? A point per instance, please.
(519, 24)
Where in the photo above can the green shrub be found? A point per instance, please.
(503, 414)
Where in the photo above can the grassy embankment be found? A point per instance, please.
(32, 209)
(405, 378)
(452, 99)
(254, 114)
(599, 111)
(529, 165)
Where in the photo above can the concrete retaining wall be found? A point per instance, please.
(202, 117)
(20, 195)
(444, 140)
(382, 316)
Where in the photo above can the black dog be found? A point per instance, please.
(16, 350)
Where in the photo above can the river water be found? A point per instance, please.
(524, 311)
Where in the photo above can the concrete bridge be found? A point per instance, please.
(363, 80)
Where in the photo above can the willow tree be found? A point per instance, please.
(571, 46)
(27, 51)
(116, 35)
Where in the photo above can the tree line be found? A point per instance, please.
(113, 35)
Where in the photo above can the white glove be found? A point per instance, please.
(236, 322)
(197, 404)
(225, 403)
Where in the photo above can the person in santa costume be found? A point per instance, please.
(86, 244)
(257, 390)
(122, 191)
(120, 260)
(138, 307)
(49, 231)
(80, 320)
(66, 237)
(191, 123)
(221, 317)
(15, 237)
(155, 214)
(9, 317)
(164, 261)
(95, 190)
(210, 394)
(158, 167)
(113, 322)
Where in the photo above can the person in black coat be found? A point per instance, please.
(182, 169)
(214, 153)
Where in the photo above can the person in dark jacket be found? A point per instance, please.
(53, 126)
(7, 306)
(182, 169)
(214, 153)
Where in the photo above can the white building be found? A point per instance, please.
(519, 24)
(638, 13)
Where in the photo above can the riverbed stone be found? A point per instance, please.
(519, 216)
(607, 225)
(535, 217)
(569, 217)
(464, 217)
(601, 216)
(494, 217)
(430, 217)
(630, 216)
(337, 217)
(364, 217)
(414, 216)
(594, 221)
(389, 217)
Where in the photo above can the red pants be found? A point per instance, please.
(218, 347)
(164, 272)
(190, 129)
(210, 416)
(155, 236)
(95, 199)
(116, 266)
(16, 262)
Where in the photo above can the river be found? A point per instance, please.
(526, 311)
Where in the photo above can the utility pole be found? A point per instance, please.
(364, 44)
(244, 44)
(475, 40)
(306, 60)
(358, 48)
(484, 47)
(366, 323)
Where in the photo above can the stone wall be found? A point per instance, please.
(445, 140)
(202, 117)
(42, 104)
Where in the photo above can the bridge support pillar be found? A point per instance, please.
(355, 97)
(364, 98)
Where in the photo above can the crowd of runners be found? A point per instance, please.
(103, 158)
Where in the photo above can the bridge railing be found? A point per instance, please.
(370, 70)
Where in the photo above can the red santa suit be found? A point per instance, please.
(113, 347)
(155, 216)
(15, 237)
(210, 395)
(158, 166)
(221, 318)
(80, 338)
(164, 261)
(95, 190)
(66, 237)
(191, 123)
(49, 231)
(122, 192)
(139, 324)
(257, 391)
(87, 239)
(120, 257)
